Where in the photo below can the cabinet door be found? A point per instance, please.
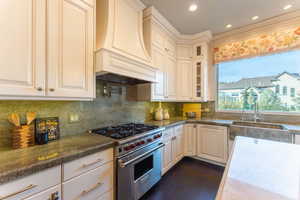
(170, 47)
(184, 52)
(190, 140)
(50, 194)
(178, 143)
(158, 59)
(22, 51)
(197, 81)
(212, 143)
(70, 49)
(184, 80)
(171, 78)
(159, 86)
(167, 157)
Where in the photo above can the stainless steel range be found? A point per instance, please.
(138, 157)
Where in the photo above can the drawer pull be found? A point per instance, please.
(92, 163)
(29, 187)
(84, 192)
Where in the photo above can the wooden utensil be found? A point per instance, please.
(15, 119)
(30, 116)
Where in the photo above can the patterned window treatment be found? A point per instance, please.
(263, 44)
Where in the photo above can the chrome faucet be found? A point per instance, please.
(257, 117)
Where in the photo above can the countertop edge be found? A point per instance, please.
(43, 165)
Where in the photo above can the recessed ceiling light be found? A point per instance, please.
(255, 17)
(228, 26)
(287, 7)
(193, 7)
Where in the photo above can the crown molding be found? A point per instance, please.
(152, 12)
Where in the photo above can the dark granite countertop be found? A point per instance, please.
(22, 162)
(294, 129)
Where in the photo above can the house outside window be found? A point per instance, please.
(265, 80)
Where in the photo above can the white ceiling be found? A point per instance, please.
(214, 15)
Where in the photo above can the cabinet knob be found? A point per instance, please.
(51, 89)
(39, 89)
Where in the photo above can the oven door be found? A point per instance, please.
(138, 172)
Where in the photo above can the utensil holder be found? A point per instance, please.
(23, 136)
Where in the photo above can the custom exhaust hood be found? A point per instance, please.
(120, 50)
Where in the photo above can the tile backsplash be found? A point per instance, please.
(102, 111)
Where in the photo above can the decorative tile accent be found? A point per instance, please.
(263, 44)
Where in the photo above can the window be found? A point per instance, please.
(270, 81)
(284, 91)
(293, 92)
(277, 89)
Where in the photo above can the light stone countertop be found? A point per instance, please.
(261, 170)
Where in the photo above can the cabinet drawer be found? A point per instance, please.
(30, 185)
(48, 194)
(211, 127)
(168, 134)
(79, 166)
(90, 185)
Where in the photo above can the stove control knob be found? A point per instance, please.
(137, 144)
(142, 142)
(126, 148)
(132, 146)
(149, 140)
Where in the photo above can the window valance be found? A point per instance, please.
(263, 44)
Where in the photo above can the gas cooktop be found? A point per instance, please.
(124, 130)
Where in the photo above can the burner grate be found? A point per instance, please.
(124, 130)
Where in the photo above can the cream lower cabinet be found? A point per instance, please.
(44, 54)
(173, 149)
(87, 178)
(34, 187)
(190, 132)
(90, 177)
(212, 143)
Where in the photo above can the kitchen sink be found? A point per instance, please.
(259, 125)
(260, 130)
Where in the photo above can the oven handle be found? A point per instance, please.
(123, 164)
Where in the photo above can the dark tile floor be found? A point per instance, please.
(190, 179)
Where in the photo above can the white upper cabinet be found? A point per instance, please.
(22, 50)
(184, 80)
(47, 49)
(184, 52)
(200, 72)
(70, 48)
(171, 76)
